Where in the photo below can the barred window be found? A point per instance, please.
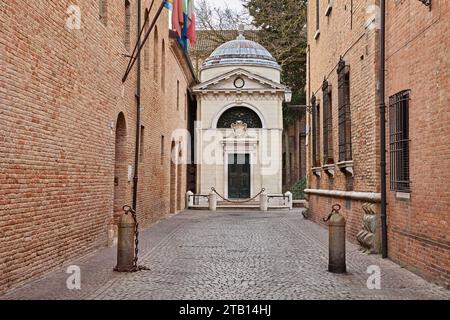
(315, 131)
(345, 121)
(399, 141)
(103, 11)
(147, 44)
(327, 124)
(127, 26)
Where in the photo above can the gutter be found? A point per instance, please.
(382, 99)
(138, 111)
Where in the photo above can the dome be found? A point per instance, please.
(241, 52)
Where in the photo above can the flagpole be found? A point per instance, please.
(140, 45)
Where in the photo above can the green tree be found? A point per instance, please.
(282, 30)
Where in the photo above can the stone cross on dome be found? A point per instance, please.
(241, 32)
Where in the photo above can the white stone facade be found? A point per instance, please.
(240, 85)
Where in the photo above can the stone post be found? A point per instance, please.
(189, 199)
(264, 202)
(212, 201)
(291, 199)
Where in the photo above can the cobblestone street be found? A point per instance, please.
(233, 255)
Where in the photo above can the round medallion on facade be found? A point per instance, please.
(239, 83)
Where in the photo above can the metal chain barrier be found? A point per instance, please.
(136, 267)
(335, 210)
(234, 201)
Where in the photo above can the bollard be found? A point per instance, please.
(125, 244)
(290, 197)
(336, 227)
(189, 199)
(212, 202)
(264, 205)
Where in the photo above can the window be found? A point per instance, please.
(317, 14)
(127, 31)
(142, 145)
(185, 106)
(163, 66)
(147, 44)
(315, 131)
(316, 36)
(243, 114)
(327, 124)
(103, 11)
(155, 54)
(345, 131)
(162, 149)
(178, 95)
(399, 141)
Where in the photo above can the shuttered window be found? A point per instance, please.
(327, 124)
(345, 121)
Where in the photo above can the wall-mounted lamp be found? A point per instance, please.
(288, 95)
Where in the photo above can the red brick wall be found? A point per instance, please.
(60, 92)
(344, 33)
(418, 60)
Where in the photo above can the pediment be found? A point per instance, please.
(239, 80)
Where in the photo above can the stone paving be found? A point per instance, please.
(233, 255)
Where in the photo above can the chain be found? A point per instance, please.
(238, 202)
(136, 267)
(335, 210)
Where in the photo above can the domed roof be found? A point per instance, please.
(241, 52)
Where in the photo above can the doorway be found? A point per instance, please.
(239, 176)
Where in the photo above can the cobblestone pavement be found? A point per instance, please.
(233, 255)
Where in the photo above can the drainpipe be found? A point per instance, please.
(382, 98)
(138, 111)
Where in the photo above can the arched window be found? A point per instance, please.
(243, 114)
(127, 31)
(163, 66)
(147, 44)
(155, 55)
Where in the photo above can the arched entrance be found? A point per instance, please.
(173, 178)
(120, 166)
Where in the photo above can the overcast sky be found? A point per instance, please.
(236, 4)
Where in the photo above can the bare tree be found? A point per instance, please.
(216, 20)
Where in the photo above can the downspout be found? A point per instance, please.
(138, 111)
(382, 99)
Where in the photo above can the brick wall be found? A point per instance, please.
(417, 60)
(345, 33)
(60, 99)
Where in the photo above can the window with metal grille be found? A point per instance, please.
(327, 124)
(317, 14)
(399, 141)
(246, 115)
(127, 31)
(103, 11)
(345, 121)
(315, 131)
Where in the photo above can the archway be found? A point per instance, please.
(173, 178)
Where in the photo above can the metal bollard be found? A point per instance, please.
(336, 227)
(126, 243)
